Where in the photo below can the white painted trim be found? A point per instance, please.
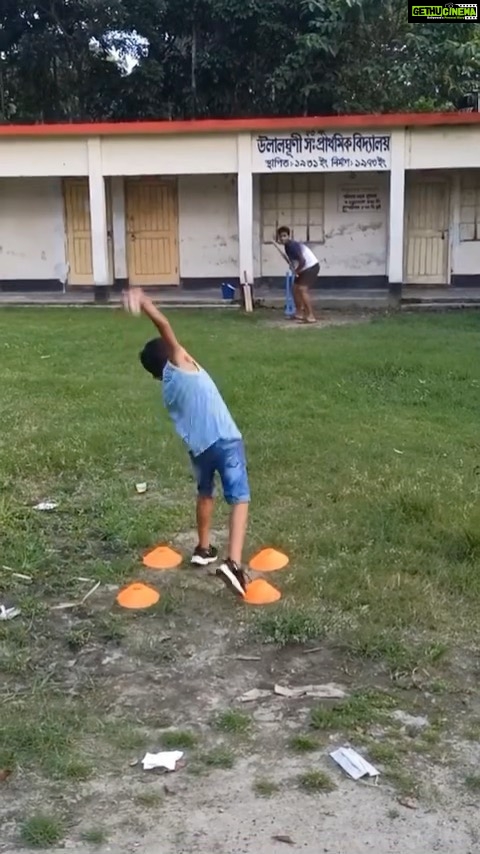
(63, 237)
(396, 218)
(455, 205)
(98, 215)
(257, 227)
(245, 208)
(119, 228)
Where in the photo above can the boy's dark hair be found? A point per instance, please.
(154, 357)
(284, 229)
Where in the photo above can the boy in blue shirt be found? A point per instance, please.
(203, 421)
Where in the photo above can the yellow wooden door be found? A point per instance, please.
(152, 231)
(79, 236)
(78, 230)
(427, 245)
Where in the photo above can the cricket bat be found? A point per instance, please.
(247, 294)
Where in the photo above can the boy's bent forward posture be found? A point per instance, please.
(201, 418)
(307, 268)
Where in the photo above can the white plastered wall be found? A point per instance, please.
(208, 226)
(32, 231)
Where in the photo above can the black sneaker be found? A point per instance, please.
(204, 557)
(233, 576)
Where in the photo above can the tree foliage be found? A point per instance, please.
(65, 60)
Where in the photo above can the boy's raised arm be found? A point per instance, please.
(136, 300)
(160, 322)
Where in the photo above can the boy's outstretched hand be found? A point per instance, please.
(136, 302)
(133, 301)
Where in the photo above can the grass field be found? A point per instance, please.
(363, 446)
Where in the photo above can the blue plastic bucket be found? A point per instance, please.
(228, 292)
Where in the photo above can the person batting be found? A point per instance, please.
(306, 267)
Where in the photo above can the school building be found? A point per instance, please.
(385, 202)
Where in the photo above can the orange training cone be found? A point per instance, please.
(259, 592)
(163, 557)
(137, 596)
(268, 560)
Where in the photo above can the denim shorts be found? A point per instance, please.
(227, 457)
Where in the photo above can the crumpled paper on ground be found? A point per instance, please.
(318, 692)
(167, 759)
(353, 764)
(8, 612)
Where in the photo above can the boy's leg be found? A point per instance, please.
(238, 530)
(204, 520)
(307, 304)
(297, 299)
(306, 280)
(203, 467)
(232, 468)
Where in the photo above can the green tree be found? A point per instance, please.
(227, 58)
(46, 60)
(362, 56)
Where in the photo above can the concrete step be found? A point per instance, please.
(457, 305)
(339, 300)
(111, 305)
(451, 300)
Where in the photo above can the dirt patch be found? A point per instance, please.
(325, 320)
(225, 815)
(178, 669)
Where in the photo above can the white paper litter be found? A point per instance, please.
(353, 764)
(255, 694)
(8, 613)
(167, 760)
(46, 505)
(318, 692)
(141, 488)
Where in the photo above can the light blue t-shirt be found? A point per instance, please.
(197, 409)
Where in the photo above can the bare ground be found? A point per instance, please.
(176, 668)
(326, 319)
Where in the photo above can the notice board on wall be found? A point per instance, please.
(353, 199)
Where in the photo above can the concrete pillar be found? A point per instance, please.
(397, 213)
(119, 230)
(245, 208)
(98, 220)
(456, 189)
(257, 228)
